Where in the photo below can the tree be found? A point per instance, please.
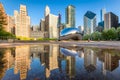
(104, 35)
(112, 34)
(118, 33)
(86, 36)
(3, 17)
(96, 36)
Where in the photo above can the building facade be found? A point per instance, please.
(110, 20)
(47, 11)
(51, 26)
(89, 22)
(22, 22)
(10, 24)
(81, 29)
(36, 34)
(70, 16)
(42, 24)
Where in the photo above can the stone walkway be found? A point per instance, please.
(99, 44)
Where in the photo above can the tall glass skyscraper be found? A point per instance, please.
(89, 22)
(102, 13)
(70, 16)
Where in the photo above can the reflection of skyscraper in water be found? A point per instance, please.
(81, 53)
(111, 62)
(89, 60)
(51, 61)
(9, 57)
(70, 67)
(6, 61)
(22, 61)
(69, 61)
(36, 50)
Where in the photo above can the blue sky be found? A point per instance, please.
(36, 8)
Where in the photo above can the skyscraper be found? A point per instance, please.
(102, 13)
(22, 22)
(47, 10)
(51, 22)
(89, 22)
(10, 24)
(110, 20)
(42, 24)
(70, 16)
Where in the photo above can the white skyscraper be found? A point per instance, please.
(51, 22)
(47, 10)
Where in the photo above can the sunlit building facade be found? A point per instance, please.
(22, 22)
(51, 23)
(110, 20)
(11, 24)
(89, 22)
(70, 16)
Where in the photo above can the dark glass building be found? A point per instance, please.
(110, 20)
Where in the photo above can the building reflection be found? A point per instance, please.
(70, 61)
(53, 60)
(6, 60)
(90, 60)
(111, 61)
(22, 61)
(109, 58)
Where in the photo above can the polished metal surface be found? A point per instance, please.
(68, 31)
(68, 52)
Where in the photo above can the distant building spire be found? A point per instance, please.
(103, 12)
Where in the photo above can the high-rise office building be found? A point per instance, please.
(81, 29)
(102, 13)
(42, 24)
(47, 10)
(51, 23)
(22, 22)
(10, 24)
(89, 22)
(110, 20)
(70, 16)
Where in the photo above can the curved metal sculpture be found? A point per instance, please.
(68, 52)
(70, 33)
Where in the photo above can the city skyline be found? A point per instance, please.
(36, 8)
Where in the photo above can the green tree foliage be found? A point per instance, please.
(104, 35)
(3, 23)
(96, 36)
(112, 34)
(118, 33)
(86, 37)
